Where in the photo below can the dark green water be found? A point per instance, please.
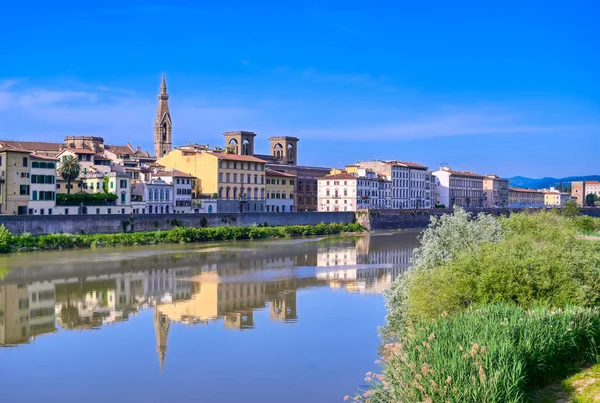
(264, 321)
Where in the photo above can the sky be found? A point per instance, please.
(507, 87)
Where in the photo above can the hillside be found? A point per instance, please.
(530, 183)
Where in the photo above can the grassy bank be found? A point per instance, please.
(12, 243)
(492, 310)
(583, 387)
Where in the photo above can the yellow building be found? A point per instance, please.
(237, 181)
(14, 307)
(280, 191)
(552, 198)
(14, 180)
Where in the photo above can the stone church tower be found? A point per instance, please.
(162, 123)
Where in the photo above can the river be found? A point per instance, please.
(259, 321)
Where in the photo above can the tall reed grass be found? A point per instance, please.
(497, 353)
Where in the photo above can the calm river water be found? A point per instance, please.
(263, 321)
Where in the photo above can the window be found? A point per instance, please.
(34, 195)
(24, 161)
(255, 178)
(220, 177)
(109, 211)
(24, 190)
(112, 185)
(123, 196)
(122, 184)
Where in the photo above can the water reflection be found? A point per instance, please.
(45, 293)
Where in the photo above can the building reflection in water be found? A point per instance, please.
(197, 288)
(370, 267)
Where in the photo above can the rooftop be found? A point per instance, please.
(270, 172)
(235, 157)
(174, 173)
(462, 173)
(523, 190)
(8, 147)
(340, 176)
(42, 157)
(34, 145)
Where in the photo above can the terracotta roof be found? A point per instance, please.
(235, 157)
(270, 172)
(592, 183)
(463, 173)
(80, 151)
(412, 165)
(175, 173)
(523, 190)
(34, 145)
(8, 147)
(339, 176)
(42, 157)
(120, 149)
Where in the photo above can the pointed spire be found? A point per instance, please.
(161, 328)
(163, 86)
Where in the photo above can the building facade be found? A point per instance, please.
(525, 198)
(280, 188)
(236, 181)
(581, 189)
(14, 180)
(459, 188)
(181, 183)
(495, 191)
(42, 175)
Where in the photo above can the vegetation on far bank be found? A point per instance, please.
(492, 310)
(11, 243)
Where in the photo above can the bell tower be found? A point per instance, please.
(285, 149)
(162, 123)
(240, 142)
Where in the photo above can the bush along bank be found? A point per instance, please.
(12, 243)
(492, 309)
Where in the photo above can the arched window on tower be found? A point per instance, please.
(291, 152)
(278, 150)
(246, 147)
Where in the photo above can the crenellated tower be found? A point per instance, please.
(162, 123)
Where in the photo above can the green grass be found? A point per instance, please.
(498, 353)
(583, 387)
(12, 243)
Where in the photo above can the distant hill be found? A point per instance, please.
(542, 183)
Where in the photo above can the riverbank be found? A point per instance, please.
(493, 309)
(27, 243)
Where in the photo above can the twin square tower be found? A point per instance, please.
(284, 149)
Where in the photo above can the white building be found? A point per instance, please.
(459, 188)
(158, 196)
(42, 176)
(362, 190)
(411, 184)
(182, 189)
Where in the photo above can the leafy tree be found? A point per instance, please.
(591, 199)
(5, 238)
(69, 169)
(570, 209)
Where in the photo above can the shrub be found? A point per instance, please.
(499, 353)
(203, 222)
(177, 235)
(88, 199)
(5, 239)
(445, 238)
(540, 261)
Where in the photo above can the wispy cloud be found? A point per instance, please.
(121, 115)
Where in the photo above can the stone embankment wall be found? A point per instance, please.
(115, 223)
(406, 219)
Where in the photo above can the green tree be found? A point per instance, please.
(69, 170)
(591, 199)
(570, 209)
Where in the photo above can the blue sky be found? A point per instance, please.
(503, 87)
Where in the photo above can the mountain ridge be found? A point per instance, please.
(547, 182)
